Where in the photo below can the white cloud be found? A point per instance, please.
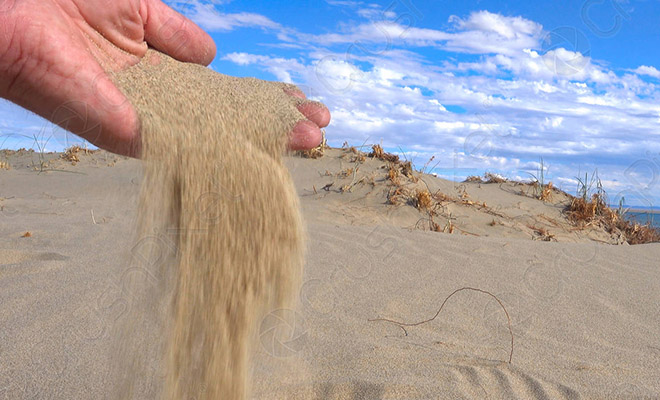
(648, 71)
(398, 98)
(507, 27)
(205, 13)
(496, 102)
(552, 122)
(282, 68)
(481, 33)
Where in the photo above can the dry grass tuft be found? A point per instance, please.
(442, 197)
(27, 235)
(360, 157)
(449, 228)
(540, 233)
(378, 152)
(596, 212)
(5, 165)
(546, 193)
(72, 154)
(489, 177)
(393, 174)
(398, 196)
(493, 178)
(346, 173)
(407, 170)
(474, 178)
(316, 152)
(312, 153)
(422, 200)
(21, 151)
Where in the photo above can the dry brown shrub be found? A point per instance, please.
(393, 174)
(542, 234)
(72, 154)
(546, 193)
(582, 212)
(398, 196)
(473, 178)
(422, 200)
(641, 234)
(492, 178)
(465, 196)
(371, 180)
(407, 169)
(595, 212)
(378, 152)
(346, 173)
(435, 227)
(359, 157)
(314, 153)
(441, 197)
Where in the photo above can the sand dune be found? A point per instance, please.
(584, 314)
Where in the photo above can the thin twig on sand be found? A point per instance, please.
(402, 325)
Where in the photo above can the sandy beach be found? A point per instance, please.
(583, 311)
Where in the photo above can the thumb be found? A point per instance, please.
(175, 35)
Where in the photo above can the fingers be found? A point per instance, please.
(315, 112)
(172, 33)
(101, 115)
(306, 135)
(312, 110)
(294, 91)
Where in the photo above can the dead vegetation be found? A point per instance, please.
(590, 209)
(316, 152)
(5, 165)
(21, 151)
(404, 325)
(541, 233)
(393, 174)
(488, 178)
(378, 152)
(595, 212)
(546, 192)
(72, 154)
(422, 200)
(405, 188)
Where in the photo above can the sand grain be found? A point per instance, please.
(216, 189)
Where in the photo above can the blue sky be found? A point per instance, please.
(481, 85)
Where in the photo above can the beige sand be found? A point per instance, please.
(585, 314)
(215, 183)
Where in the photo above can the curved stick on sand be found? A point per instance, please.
(402, 325)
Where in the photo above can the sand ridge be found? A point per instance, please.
(215, 184)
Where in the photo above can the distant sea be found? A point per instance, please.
(644, 216)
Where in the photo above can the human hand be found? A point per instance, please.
(55, 56)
